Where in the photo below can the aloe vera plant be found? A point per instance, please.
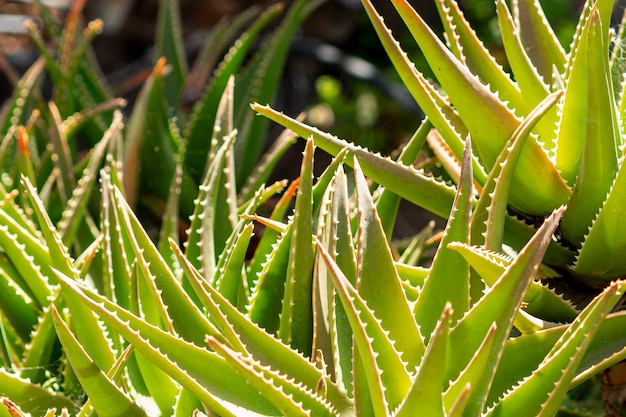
(319, 317)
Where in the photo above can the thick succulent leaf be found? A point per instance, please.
(470, 50)
(600, 260)
(426, 393)
(116, 258)
(246, 337)
(460, 391)
(494, 195)
(492, 124)
(269, 160)
(540, 300)
(148, 139)
(409, 183)
(260, 82)
(550, 382)
(433, 195)
(214, 383)
(201, 240)
(84, 323)
(333, 334)
(204, 112)
(77, 204)
(438, 108)
(42, 349)
(296, 318)
(268, 288)
(177, 309)
(212, 50)
(502, 300)
(25, 92)
(231, 279)
(99, 388)
(598, 161)
(29, 257)
(387, 376)
(286, 394)
(169, 44)
(32, 398)
(377, 278)
(387, 202)
(539, 39)
(16, 306)
(531, 84)
(448, 279)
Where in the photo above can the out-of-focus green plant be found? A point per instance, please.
(315, 318)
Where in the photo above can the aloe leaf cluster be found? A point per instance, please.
(319, 314)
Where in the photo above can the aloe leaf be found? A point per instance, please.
(434, 196)
(260, 81)
(101, 390)
(502, 300)
(116, 258)
(464, 90)
(29, 257)
(23, 96)
(296, 319)
(550, 382)
(179, 359)
(470, 50)
(598, 260)
(377, 277)
(84, 323)
(202, 118)
(538, 38)
(42, 349)
(169, 44)
(160, 387)
(334, 232)
(425, 394)
(32, 398)
(495, 193)
(598, 161)
(448, 279)
(212, 49)
(246, 337)
(460, 391)
(532, 85)
(269, 237)
(268, 288)
(269, 160)
(176, 307)
(288, 397)
(541, 300)
(438, 108)
(17, 307)
(170, 222)
(153, 137)
(231, 279)
(77, 204)
(388, 202)
(387, 377)
(201, 243)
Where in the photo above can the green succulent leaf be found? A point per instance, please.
(502, 300)
(296, 318)
(448, 279)
(551, 380)
(101, 390)
(492, 125)
(598, 158)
